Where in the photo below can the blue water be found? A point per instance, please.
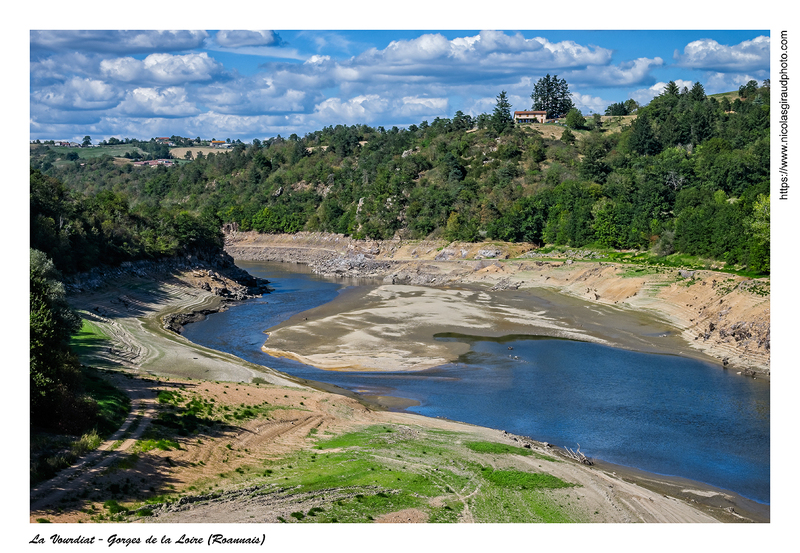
(659, 413)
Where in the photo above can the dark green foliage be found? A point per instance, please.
(551, 94)
(642, 139)
(628, 107)
(55, 377)
(79, 232)
(575, 120)
(460, 179)
(501, 117)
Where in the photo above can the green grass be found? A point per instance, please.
(523, 480)
(88, 340)
(117, 150)
(51, 453)
(494, 447)
(497, 448)
(386, 468)
(163, 444)
(677, 261)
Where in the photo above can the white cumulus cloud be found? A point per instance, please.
(710, 55)
(419, 106)
(162, 68)
(644, 95)
(117, 41)
(154, 102)
(362, 108)
(79, 94)
(625, 74)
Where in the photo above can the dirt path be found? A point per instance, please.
(77, 477)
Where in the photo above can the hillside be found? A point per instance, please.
(688, 173)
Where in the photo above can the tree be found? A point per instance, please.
(748, 90)
(643, 138)
(54, 369)
(552, 95)
(575, 120)
(617, 109)
(671, 89)
(501, 117)
(87, 140)
(697, 93)
(631, 106)
(628, 107)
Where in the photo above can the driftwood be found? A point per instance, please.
(578, 456)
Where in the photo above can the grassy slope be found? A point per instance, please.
(387, 468)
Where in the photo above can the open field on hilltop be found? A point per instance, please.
(117, 150)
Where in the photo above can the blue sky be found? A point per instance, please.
(257, 84)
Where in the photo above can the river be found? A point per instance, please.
(663, 414)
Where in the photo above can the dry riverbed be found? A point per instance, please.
(213, 438)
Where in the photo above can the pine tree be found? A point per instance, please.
(671, 89)
(501, 117)
(643, 139)
(552, 95)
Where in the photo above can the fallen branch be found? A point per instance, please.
(578, 456)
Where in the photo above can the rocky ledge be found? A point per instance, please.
(214, 272)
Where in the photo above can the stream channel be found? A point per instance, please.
(662, 414)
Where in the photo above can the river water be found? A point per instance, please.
(663, 414)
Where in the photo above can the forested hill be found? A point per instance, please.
(688, 173)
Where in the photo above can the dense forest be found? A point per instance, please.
(688, 173)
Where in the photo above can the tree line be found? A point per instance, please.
(689, 173)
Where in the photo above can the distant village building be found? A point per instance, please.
(220, 144)
(530, 117)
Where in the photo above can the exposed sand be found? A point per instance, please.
(708, 314)
(130, 313)
(392, 327)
